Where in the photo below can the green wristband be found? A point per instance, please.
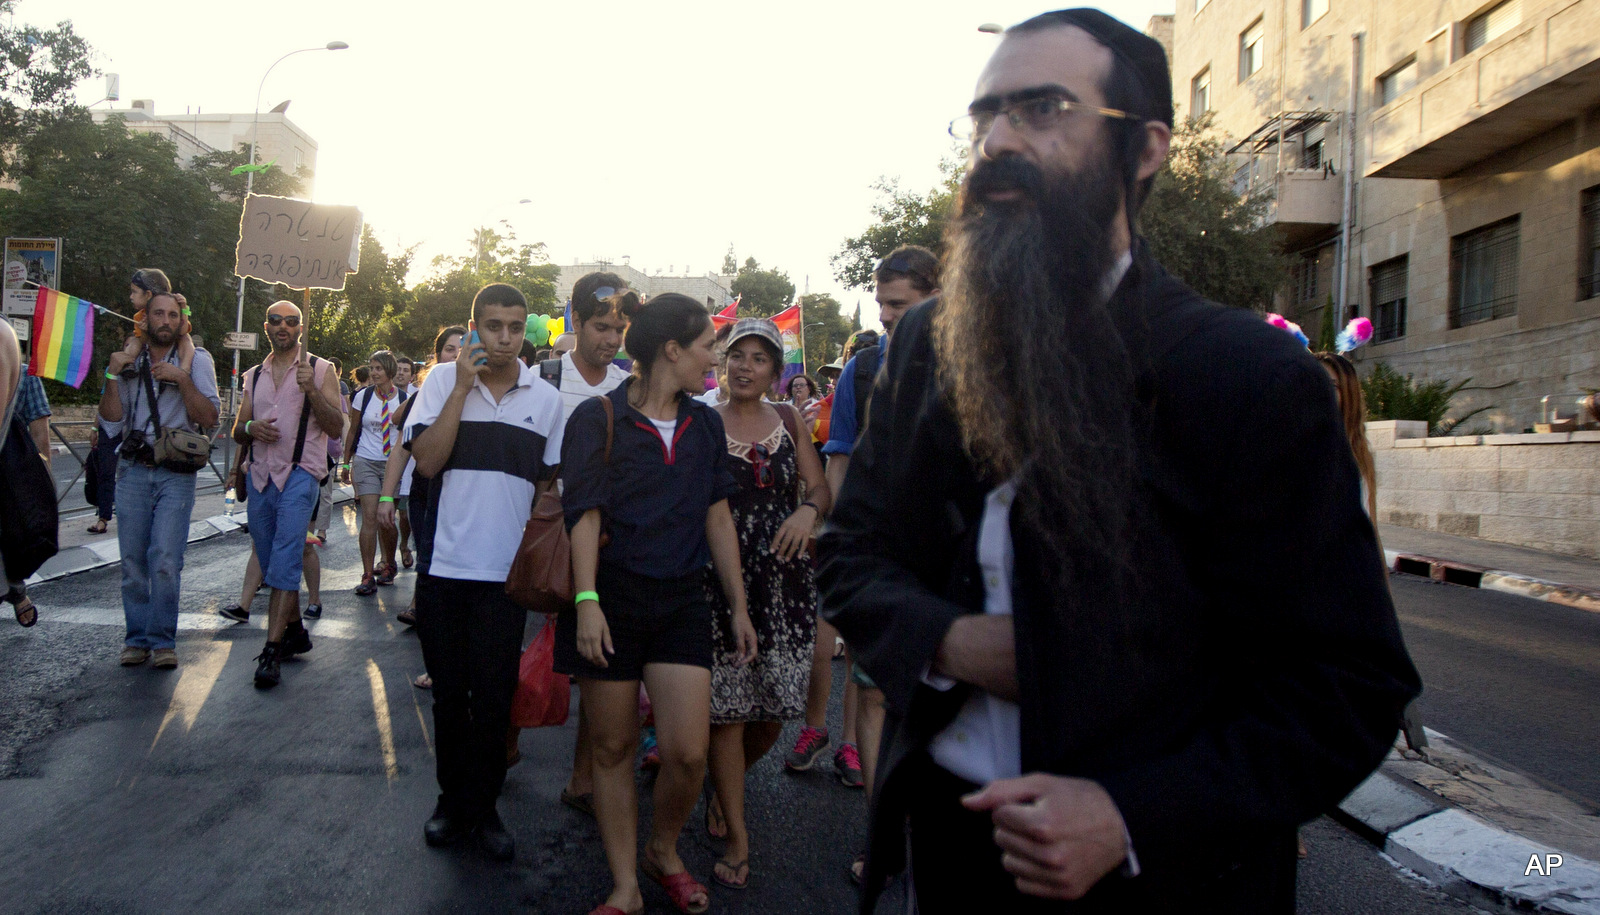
(247, 426)
(110, 377)
(385, 499)
(585, 595)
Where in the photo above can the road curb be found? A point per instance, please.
(1465, 855)
(1475, 576)
(86, 558)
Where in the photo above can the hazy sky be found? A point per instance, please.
(663, 131)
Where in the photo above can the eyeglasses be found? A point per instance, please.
(1036, 114)
(291, 320)
(761, 463)
(614, 297)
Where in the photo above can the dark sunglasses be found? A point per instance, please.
(614, 297)
(291, 320)
(761, 463)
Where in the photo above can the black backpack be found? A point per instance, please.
(28, 516)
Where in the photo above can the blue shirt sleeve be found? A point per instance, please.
(32, 403)
(723, 485)
(842, 429)
(585, 482)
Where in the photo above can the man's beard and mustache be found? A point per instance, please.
(163, 335)
(1033, 366)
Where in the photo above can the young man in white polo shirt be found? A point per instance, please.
(489, 431)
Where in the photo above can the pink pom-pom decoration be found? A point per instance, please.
(1355, 333)
(1288, 326)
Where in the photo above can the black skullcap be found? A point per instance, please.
(1142, 55)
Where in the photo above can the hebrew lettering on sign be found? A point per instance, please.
(298, 243)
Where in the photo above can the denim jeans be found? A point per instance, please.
(153, 508)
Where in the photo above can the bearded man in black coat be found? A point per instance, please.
(1101, 543)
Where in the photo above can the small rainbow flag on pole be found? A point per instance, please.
(63, 337)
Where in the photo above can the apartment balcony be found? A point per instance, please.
(1289, 158)
(1543, 72)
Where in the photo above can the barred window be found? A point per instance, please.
(1397, 82)
(1387, 284)
(1589, 266)
(1483, 273)
(1488, 26)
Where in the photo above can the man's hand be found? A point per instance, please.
(386, 515)
(980, 649)
(303, 375)
(1058, 836)
(124, 357)
(167, 373)
(467, 367)
(264, 431)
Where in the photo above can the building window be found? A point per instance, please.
(1304, 276)
(1311, 11)
(1200, 93)
(1241, 179)
(1589, 267)
(1491, 24)
(1251, 43)
(1387, 285)
(1311, 155)
(1483, 273)
(1397, 82)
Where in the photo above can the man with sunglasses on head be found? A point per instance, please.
(291, 407)
(588, 370)
(154, 502)
(1102, 543)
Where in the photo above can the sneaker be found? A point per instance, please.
(267, 673)
(847, 762)
(312, 612)
(813, 742)
(296, 640)
(236, 613)
(164, 658)
(366, 587)
(133, 657)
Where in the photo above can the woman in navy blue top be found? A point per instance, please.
(642, 611)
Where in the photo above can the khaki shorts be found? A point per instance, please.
(367, 476)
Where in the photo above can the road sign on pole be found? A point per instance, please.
(240, 340)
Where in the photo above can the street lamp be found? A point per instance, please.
(249, 185)
(477, 254)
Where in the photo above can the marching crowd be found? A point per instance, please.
(1100, 551)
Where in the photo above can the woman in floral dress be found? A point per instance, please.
(771, 460)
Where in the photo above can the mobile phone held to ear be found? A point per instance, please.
(473, 338)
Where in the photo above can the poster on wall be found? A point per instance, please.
(29, 264)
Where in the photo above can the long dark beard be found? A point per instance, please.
(1033, 366)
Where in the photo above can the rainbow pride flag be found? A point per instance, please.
(63, 337)
(790, 327)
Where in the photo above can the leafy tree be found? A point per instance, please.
(765, 292)
(1390, 396)
(902, 218)
(1204, 233)
(730, 265)
(121, 200)
(38, 70)
(446, 296)
(364, 316)
(1327, 336)
(825, 343)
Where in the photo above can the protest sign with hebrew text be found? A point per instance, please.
(298, 243)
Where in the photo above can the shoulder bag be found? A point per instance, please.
(177, 450)
(540, 580)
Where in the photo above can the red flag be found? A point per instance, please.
(732, 311)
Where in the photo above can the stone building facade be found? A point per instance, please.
(1435, 166)
(712, 290)
(280, 139)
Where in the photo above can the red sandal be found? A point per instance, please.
(680, 887)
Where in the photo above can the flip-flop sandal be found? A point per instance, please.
(737, 867)
(406, 559)
(423, 681)
(858, 869)
(406, 617)
(24, 608)
(680, 887)
(99, 527)
(583, 803)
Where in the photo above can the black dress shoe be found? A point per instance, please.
(444, 829)
(495, 839)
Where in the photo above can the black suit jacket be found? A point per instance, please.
(1255, 676)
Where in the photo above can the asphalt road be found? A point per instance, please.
(140, 790)
(1514, 679)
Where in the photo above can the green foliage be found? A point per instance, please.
(1204, 233)
(765, 292)
(38, 70)
(120, 201)
(901, 218)
(1389, 396)
(349, 325)
(730, 264)
(1327, 336)
(825, 343)
(446, 296)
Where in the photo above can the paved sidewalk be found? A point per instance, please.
(1568, 580)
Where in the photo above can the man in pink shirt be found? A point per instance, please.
(291, 405)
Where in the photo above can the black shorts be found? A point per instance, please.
(652, 621)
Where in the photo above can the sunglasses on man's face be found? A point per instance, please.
(291, 320)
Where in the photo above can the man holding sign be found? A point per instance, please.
(291, 406)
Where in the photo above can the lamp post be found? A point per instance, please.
(477, 254)
(249, 185)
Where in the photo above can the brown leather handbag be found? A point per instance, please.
(540, 580)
